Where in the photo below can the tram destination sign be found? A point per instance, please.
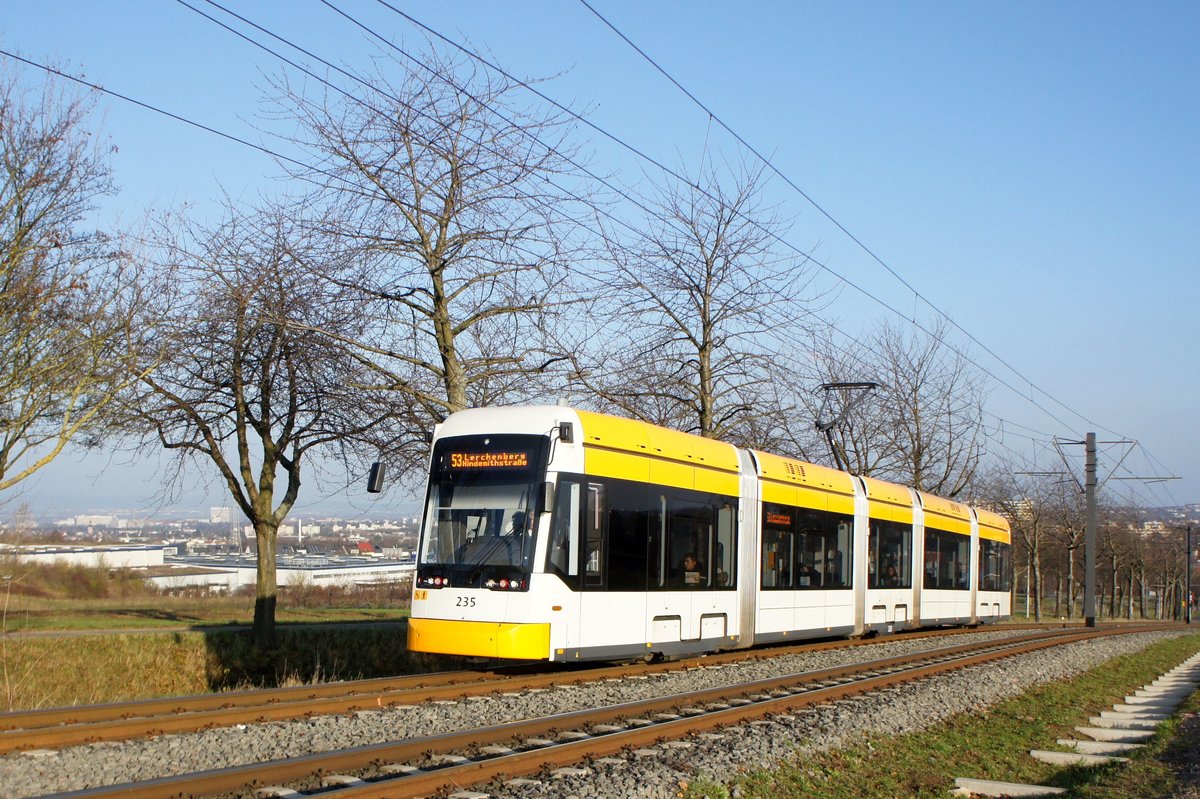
(489, 460)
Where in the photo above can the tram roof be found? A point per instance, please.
(800, 473)
(643, 438)
(883, 491)
(993, 526)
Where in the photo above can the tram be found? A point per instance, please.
(558, 534)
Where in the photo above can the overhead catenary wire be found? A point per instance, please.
(239, 140)
(148, 107)
(714, 117)
(565, 109)
(829, 216)
(458, 87)
(673, 173)
(308, 166)
(489, 64)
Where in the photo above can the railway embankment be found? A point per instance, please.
(729, 759)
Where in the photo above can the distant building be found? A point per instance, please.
(159, 566)
(111, 557)
(99, 521)
(220, 515)
(219, 573)
(1153, 528)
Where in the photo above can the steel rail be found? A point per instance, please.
(78, 714)
(566, 753)
(68, 726)
(307, 769)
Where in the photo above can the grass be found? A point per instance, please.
(175, 612)
(48, 659)
(46, 597)
(992, 744)
(56, 670)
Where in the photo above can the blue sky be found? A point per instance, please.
(1031, 168)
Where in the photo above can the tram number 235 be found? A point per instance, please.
(464, 602)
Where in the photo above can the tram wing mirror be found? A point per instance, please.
(547, 496)
(375, 478)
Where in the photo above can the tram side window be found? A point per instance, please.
(839, 550)
(994, 568)
(692, 542)
(826, 549)
(724, 559)
(778, 542)
(813, 567)
(599, 535)
(628, 520)
(889, 549)
(805, 548)
(690, 533)
(564, 534)
(593, 525)
(947, 559)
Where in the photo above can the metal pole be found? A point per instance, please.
(1089, 536)
(1187, 579)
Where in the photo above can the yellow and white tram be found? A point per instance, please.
(551, 533)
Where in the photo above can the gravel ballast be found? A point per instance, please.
(901, 710)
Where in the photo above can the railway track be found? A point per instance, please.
(428, 765)
(55, 728)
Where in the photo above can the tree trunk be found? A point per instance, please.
(267, 591)
(1129, 597)
(1028, 579)
(1112, 598)
(1070, 583)
(1037, 581)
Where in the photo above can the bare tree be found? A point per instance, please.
(251, 382)
(936, 410)
(65, 291)
(696, 302)
(444, 192)
(923, 426)
(1033, 507)
(856, 422)
(1069, 532)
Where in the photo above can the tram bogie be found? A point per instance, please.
(557, 534)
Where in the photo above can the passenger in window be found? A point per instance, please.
(690, 573)
(891, 578)
(518, 525)
(806, 576)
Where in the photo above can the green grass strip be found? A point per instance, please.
(992, 744)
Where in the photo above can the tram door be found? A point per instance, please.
(612, 602)
(692, 549)
(679, 570)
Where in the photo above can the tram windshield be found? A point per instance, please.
(479, 518)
